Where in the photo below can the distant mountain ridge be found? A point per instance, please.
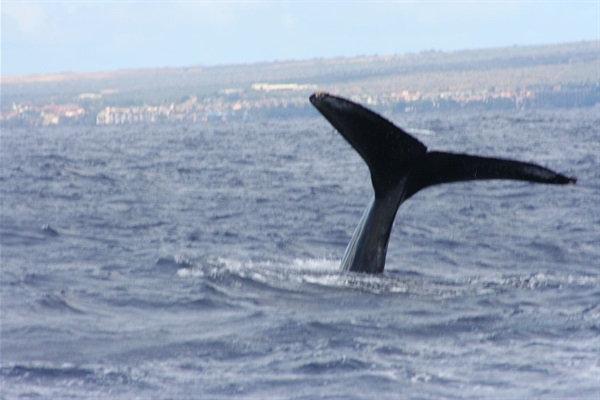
(432, 60)
(508, 77)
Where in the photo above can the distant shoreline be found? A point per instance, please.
(518, 77)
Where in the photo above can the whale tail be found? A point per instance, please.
(387, 149)
(440, 167)
(393, 155)
(400, 166)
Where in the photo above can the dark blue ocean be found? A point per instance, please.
(201, 262)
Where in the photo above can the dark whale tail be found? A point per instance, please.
(439, 167)
(400, 166)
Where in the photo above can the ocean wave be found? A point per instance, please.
(39, 371)
(316, 274)
(313, 274)
(58, 302)
(57, 380)
(536, 281)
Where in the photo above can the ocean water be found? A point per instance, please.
(201, 262)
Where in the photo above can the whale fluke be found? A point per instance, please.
(439, 167)
(400, 166)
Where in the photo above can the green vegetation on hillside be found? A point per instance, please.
(534, 76)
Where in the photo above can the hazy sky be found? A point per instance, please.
(53, 36)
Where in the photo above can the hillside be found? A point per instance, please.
(521, 76)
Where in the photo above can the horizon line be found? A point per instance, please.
(52, 76)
